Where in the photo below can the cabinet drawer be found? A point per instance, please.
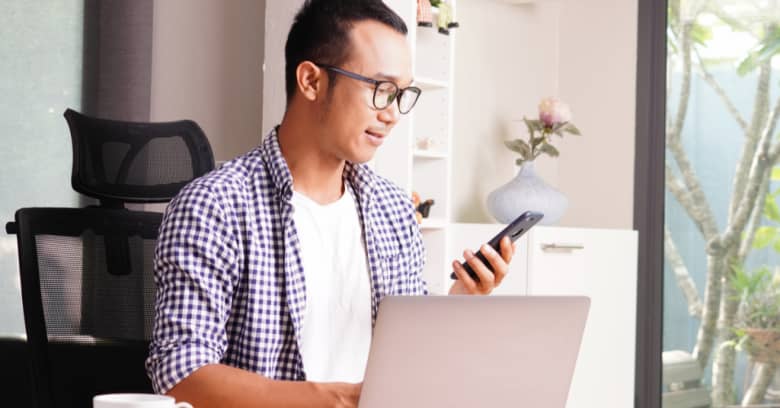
(557, 261)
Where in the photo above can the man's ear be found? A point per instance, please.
(310, 80)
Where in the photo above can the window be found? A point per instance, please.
(40, 75)
(721, 239)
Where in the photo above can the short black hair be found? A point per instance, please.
(320, 33)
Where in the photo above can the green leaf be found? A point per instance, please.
(771, 46)
(766, 49)
(771, 209)
(764, 236)
(739, 278)
(570, 128)
(776, 174)
(549, 149)
(528, 126)
(748, 64)
(700, 34)
(748, 284)
(520, 162)
(776, 246)
(534, 124)
(519, 146)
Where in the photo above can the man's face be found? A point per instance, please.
(352, 127)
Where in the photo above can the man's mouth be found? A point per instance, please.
(376, 138)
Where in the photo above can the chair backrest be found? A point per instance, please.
(118, 161)
(88, 319)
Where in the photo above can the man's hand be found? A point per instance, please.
(219, 385)
(487, 280)
(344, 395)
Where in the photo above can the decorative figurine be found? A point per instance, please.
(444, 21)
(421, 209)
(424, 14)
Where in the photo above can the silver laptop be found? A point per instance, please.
(473, 351)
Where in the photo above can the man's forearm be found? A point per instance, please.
(220, 386)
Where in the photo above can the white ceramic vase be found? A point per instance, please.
(527, 192)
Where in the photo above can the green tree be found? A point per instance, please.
(726, 247)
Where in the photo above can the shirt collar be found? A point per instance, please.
(276, 165)
(359, 176)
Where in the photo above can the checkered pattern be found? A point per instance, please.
(230, 282)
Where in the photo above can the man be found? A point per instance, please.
(270, 270)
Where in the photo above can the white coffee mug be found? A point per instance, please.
(136, 401)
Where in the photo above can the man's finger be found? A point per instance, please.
(506, 249)
(464, 277)
(499, 266)
(486, 278)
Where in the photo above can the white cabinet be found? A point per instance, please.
(600, 264)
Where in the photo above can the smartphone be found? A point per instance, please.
(514, 230)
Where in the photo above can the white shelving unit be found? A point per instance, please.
(413, 165)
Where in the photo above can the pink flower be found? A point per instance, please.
(552, 111)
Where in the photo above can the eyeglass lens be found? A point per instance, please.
(387, 92)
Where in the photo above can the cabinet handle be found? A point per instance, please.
(562, 247)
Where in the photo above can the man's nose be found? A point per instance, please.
(390, 115)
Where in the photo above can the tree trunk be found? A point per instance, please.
(757, 125)
(712, 291)
(723, 376)
(758, 387)
(725, 358)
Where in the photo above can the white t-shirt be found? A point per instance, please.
(336, 331)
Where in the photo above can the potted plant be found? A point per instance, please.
(757, 322)
(527, 191)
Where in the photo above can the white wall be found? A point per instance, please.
(598, 78)
(508, 58)
(276, 29)
(207, 66)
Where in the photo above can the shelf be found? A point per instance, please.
(429, 154)
(433, 223)
(430, 84)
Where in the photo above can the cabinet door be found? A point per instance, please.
(600, 264)
(557, 258)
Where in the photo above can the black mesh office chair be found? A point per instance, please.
(87, 283)
(135, 162)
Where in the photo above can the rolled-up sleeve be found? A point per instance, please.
(417, 285)
(195, 274)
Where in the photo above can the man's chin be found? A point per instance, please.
(363, 156)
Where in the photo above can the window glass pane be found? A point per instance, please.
(40, 76)
(722, 244)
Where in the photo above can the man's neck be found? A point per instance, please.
(315, 174)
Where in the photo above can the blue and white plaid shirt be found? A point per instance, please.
(230, 283)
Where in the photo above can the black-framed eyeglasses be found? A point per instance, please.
(385, 92)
